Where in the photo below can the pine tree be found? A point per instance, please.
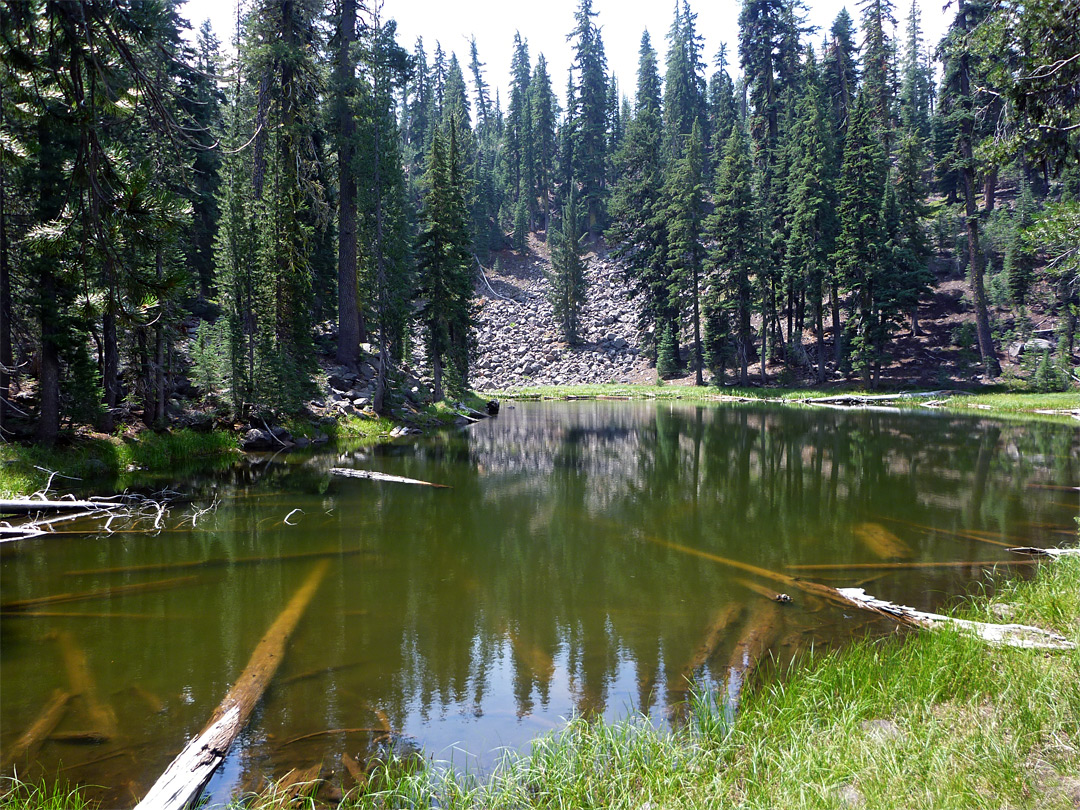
(589, 122)
(736, 254)
(684, 85)
(345, 99)
(686, 224)
(1019, 261)
(545, 113)
(916, 89)
(861, 245)
(444, 264)
(913, 263)
(840, 71)
(638, 231)
(566, 281)
(879, 55)
(812, 203)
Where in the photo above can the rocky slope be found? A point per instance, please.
(519, 343)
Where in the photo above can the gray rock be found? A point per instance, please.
(1037, 345)
(256, 439)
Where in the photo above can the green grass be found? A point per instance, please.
(112, 460)
(1000, 401)
(16, 795)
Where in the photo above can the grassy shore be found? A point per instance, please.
(1005, 402)
(25, 468)
(917, 720)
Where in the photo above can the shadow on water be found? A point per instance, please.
(575, 567)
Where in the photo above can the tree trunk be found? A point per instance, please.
(348, 346)
(5, 292)
(436, 373)
(990, 189)
(49, 377)
(110, 372)
(975, 257)
(819, 329)
(838, 343)
(698, 380)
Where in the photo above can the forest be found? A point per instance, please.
(182, 220)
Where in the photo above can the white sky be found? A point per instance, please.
(545, 24)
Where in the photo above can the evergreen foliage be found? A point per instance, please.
(566, 281)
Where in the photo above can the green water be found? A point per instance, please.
(557, 576)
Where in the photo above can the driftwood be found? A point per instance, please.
(217, 562)
(106, 593)
(32, 506)
(378, 476)
(1011, 635)
(881, 541)
(101, 715)
(1046, 552)
(188, 774)
(79, 737)
(59, 614)
(27, 745)
(355, 770)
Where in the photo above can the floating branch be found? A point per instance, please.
(378, 476)
(188, 774)
(329, 732)
(32, 506)
(768, 593)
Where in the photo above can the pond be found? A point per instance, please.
(580, 564)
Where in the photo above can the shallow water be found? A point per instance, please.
(572, 568)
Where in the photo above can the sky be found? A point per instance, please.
(545, 24)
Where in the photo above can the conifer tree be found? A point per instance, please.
(861, 245)
(684, 85)
(1019, 262)
(812, 203)
(544, 115)
(566, 281)
(916, 89)
(444, 264)
(735, 257)
(840, 71)
(638, 231)
(686, 225)
(589, 117)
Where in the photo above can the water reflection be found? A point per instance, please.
(552, 579)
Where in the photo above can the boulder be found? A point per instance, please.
(1036, 345)
(256, 439)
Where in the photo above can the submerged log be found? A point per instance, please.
(355, 770)
(953, 532)
(218, 562)
(188, 774)
(28, 744)
(60, 614)
(897, 566)
(768, 593)
(330, 732)
(881, 541)
(378, 476)
(80, 737)
(299, 782)
(105, 593)
(760, 632)
(714, 637)
(102, 716)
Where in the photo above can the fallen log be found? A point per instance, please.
(187, 775)
(1011, 635)
(155, 704)
(106, 593)
(378, 476)
(358, 774)
(59, 614)
(31, 740)
(1045, 552)
(102, 716)
(30, 506)
(217, 562)
(79, 737)
(315, 673)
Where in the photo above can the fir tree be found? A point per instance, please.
(840, 71)
(544, 114)
(861, 245)
(736, 253)
(566, 281)
(589, 118)
(1019, 262)
(686, 224)
(444, 264)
